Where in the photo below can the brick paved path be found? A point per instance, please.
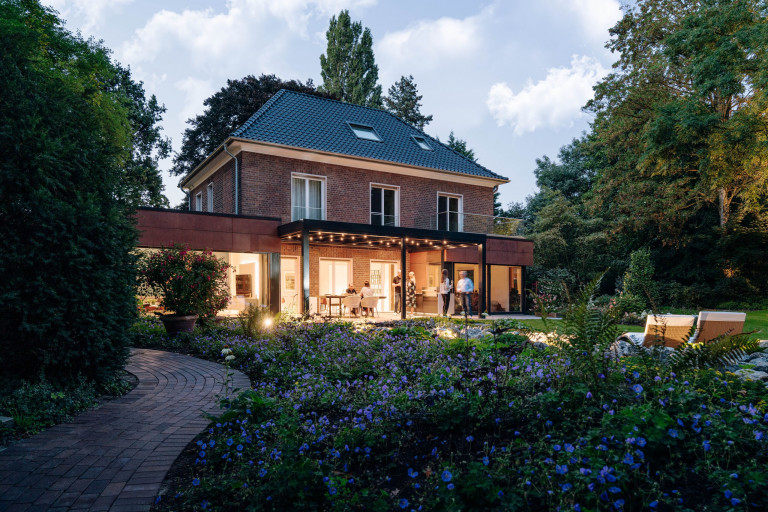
(115, 457)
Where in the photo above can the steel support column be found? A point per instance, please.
(482, 285)
(305, 271)
(404, 276)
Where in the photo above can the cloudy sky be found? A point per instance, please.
(507, 76)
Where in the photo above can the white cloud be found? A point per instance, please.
(245, 24)
(427, 44)
(195, 91)
(554, 102)
(595, 16)
(92, 11)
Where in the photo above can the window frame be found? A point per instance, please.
(323, 192)
(210, 197)
(460, 212)
(199, 202)
(353, 125)
(421, 141)
(384, 186)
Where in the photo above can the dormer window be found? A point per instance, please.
(364, 132)
(422, 142)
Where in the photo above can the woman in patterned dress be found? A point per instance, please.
(410, 292)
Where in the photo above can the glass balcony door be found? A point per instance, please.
(448, 213)
(383, 206)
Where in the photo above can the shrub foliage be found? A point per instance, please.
(66, 293)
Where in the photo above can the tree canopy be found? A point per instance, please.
(226, 111)
(66, 134)
(404, 101)
(348, 67)
(676, 161)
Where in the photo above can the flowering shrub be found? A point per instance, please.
(188, 282)
(342, 419)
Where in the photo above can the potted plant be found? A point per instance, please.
(189, 284)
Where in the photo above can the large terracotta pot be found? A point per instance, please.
(174, 324)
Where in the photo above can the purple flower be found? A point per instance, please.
(637, 388)
(589, 394)
(450, 487)
(196, 482)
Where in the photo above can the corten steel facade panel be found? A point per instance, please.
(161, 228)
(505, 251)
(265, 189)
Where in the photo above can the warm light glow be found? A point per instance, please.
(267, 322)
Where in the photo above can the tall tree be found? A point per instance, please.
(460, 146)
(226, 111)
(404, 101)
(142, 178)
(65, 134)
(348, 67)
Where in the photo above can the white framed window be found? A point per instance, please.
(210, 197)
(385, 205)
(307, 196)
(449, 212)
(365, 132)
(199, 202)
(335, 275)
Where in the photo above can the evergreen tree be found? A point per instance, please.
(460, 146)
(404, 101)
(348, 67)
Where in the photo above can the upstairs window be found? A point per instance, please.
(364, 132)
(210, 197)
(422, 142)
(307, 197)
(384, 205)
(199, 202)
(449, 212)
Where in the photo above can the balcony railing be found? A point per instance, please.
(474, 223)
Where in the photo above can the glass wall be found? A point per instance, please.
(506, 289)
(248, 280)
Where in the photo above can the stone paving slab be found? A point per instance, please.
(126, 444)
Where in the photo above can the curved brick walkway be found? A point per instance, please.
(115, 457)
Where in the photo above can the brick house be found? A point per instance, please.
(312, 194)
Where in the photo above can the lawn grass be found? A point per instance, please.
(756, 321)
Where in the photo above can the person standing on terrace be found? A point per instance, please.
(465, 286)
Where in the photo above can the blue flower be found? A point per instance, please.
(239, 447)
(577, 507)
(735, 501)
(470, 439)
(728, 493)
(446, 476)
(637, 388)
(230, 442)
(706, 445)
(450, 487)
(758, 435)
(614, 490)
(618, 504)
(561, 470)
(628, 459)
(331, 491)
(486, 461)
(403, 503)
(412, 473)
(557, 448)
(566, 487)
(196, 482)
(653, 504)
(202, 454)
(673, 432)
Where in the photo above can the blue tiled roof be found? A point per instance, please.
(305, 121)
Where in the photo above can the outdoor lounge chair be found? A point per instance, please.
(663, 330)
(371, 303)
(351, 302)
(713, 324)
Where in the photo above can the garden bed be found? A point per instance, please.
(345, 418)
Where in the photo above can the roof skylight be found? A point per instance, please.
(422, 142)
(365, 132)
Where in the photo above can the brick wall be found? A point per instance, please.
(266, 190)
(361, 262)
(223, 189)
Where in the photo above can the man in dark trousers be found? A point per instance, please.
(397, 281)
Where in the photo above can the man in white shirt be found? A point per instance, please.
(465, 286)
(366, 291)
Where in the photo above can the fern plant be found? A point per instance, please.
(722, 351)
